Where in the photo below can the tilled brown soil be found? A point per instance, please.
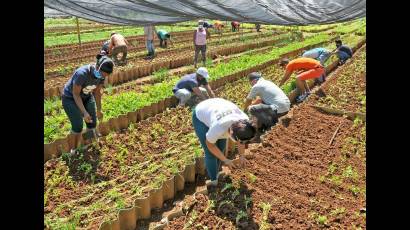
(308, 184)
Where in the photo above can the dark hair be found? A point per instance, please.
(168, 35)
(338, 41)
(254, 75)
(113, 33)
(107, 65)
(243, 130)
(284, 61)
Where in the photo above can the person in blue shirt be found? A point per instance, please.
(188, 89)
(81, 96)
(319, 54)
(163, 36)
(343, 52)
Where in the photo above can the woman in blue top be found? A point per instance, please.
(82, 93)
(163, 36)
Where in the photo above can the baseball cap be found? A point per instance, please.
(254, 75)
(203, 72)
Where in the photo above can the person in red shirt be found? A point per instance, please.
(305, 68)
(235, 26)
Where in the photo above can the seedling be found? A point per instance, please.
(355, 190)
(248, 200)
(321, 220)
(241, 214)
(337, 212)
(322, 179)
(226, 187)
(266, 207)
(235, 194)
(349, 172)
(191, 220)
(252, 178)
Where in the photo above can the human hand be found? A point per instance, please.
(100, 115)
(87, 118)
(228, 163)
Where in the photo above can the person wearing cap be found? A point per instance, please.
(218, 25)
(149, 35)
(306, 68)
(273, 101)
(343, 52)
(163, 37)
(214, 121)
(82, 94)
(118, 44)
(199, 39)
(190, 85)
(235, 26)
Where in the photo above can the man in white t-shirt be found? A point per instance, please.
(214, 121)
(273, 101)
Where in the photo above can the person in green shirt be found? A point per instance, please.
(163, 37)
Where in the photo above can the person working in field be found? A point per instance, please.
(163, 37)
(188, 89)
(320, 54)
(306, 68)
(343, 52)
(81, 95)
(118, 44)
(258, 27)
(271, 104)
(218, 25)
(105, 48)
(235, 26)
(149, 35)
(199, 39)
(214, 121)
(207, 25)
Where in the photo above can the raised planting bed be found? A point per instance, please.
(140, 67)
(346, 90)
(87, 189)
(82, 55)
(293, 180)
(60, 69)
(122, 149)
(132, 101)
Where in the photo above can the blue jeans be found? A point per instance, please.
(150, 47)
(343, 56)
(211, 162)
(75, 116)
(323, 57)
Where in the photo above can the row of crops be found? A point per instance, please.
(85, 190)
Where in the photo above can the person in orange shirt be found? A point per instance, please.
(305, 68)
(218, 25)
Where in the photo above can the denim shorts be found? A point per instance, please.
(75, 116)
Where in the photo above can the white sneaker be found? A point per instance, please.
(211, 183)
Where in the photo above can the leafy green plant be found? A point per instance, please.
(248, 201)
(355, 190)
(266, 207)
(241, 215)
(227, 187)
(252, 178)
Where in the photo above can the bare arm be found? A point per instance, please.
(209, 90)
(215, 151)
(285, 78)
(111, 46)
(247, 103)
(77, 98)
(97, 95)
(198, 92)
